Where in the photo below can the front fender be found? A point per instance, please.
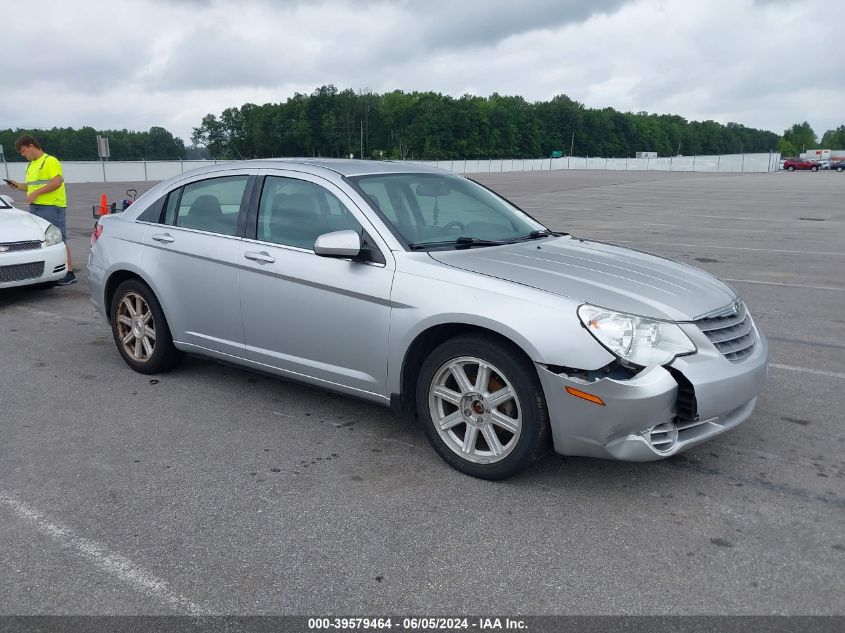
(545, 326)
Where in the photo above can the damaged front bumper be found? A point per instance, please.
(657, 412)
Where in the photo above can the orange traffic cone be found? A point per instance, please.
(104, 205)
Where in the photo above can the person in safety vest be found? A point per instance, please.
(45, 192)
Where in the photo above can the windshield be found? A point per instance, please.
(4, 204)
(444, 211)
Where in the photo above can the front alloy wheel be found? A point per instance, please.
(475, 410)
(482, 408)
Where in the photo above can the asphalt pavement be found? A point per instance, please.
(214, 490)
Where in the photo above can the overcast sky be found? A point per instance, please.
(128, 64)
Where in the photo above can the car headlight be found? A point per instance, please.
(636, 340)
(52, 235)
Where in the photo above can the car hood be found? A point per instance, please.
(601, 274)
(20, 226)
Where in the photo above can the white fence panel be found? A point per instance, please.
(124, 171)
(730, 162)
(162, 170)
(15, 171)
(755, 162)
(683, 163)
(707, 163)
(660, 164)
(82, 171)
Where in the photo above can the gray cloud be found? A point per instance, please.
(168, 62)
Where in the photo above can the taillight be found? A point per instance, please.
(98, 231)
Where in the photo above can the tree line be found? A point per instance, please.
(430, 125)
(427, 125)
(71, 144)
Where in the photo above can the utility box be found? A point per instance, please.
(646, 154)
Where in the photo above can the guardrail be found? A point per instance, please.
(132, 171)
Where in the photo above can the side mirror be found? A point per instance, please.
(7, 199)
(338, 244)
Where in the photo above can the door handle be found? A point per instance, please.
(165, 238)
(261, 257)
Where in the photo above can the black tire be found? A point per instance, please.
(159, 354)
(839, 169)
(791, 168)
(814, 168)
(507, 371)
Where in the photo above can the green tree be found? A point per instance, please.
(834, 139)
(801, 135)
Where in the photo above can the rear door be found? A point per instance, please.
(191, 257)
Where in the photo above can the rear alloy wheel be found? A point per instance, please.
(482, 407)
(791, 168)
(140, 330)
(814, 168)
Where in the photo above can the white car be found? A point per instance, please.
(31, 249)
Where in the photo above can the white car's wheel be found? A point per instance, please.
(482, 407)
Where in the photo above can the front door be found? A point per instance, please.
(317, 318)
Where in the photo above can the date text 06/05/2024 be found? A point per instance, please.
(416, 624)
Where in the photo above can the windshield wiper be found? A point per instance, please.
(534, 235)
(462, 241)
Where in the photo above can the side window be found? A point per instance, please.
(170, 206)
(153, 212)
(295, 212)
(209, 205)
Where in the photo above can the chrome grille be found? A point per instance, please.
(21, 272)
(732, 334)
(9, 247)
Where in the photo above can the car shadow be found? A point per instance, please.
(10, 296)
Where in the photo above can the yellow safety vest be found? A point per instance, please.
(41, 171)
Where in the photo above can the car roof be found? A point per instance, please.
(343, 166)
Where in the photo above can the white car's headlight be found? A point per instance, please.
(52, 235)
(637, 340)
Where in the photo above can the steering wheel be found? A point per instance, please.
(454, 224)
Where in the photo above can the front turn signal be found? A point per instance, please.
(572, 391)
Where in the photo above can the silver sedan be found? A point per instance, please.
(424, 291)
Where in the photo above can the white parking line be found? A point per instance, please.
(112, 563)
(777, 283)
(807, 370)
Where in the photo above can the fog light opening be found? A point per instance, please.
(662, 437)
